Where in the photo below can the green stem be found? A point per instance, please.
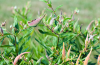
(57, 42)
(16, 45)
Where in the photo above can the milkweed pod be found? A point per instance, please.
(35, 22)
(68, 53)
(47, 55)
(39, 61)
(88, 27)
(87, 58)
(86, 42)
(17, 58)
(98, 61)
(63, 52)
(77, 62)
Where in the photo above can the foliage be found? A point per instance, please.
(50, 39)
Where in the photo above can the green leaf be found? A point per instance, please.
(16, 26)
(58, 7)
(49, 10)
(20, 49)
(1, 42)
(41, 43)
(75, 26)
(7, 46)
(67, 34)
(47, 33)
(49, 5)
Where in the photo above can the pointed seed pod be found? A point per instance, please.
(98, 61)
(63, 52)
(87, 58)
(35, 22)
(3, 24)
(86, 42)
(77, 62)
(18, 57)
(89, 25)
(68, 53)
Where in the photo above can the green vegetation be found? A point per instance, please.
(49, 33)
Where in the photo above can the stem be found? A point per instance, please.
(53, 11)
(16, 45)
(51, 30)
(57, 42)
(52, 8)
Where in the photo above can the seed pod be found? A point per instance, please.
(3, 24)
(98, 61)
(78, 59)
(17, 58)
(86, 42)
(88, 28)
(68, 53)
(63, 52)
(35, 22)
(87, 58)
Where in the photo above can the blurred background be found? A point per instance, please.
(88, 9)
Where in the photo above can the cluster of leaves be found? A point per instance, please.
(50, 39)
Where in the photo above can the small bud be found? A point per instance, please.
(11, 26)
(76, 11)
(15, 7)
(3, 24)
(25, 26)
(20, 22)
(52, 20)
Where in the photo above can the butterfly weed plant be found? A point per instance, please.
(53, 39)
